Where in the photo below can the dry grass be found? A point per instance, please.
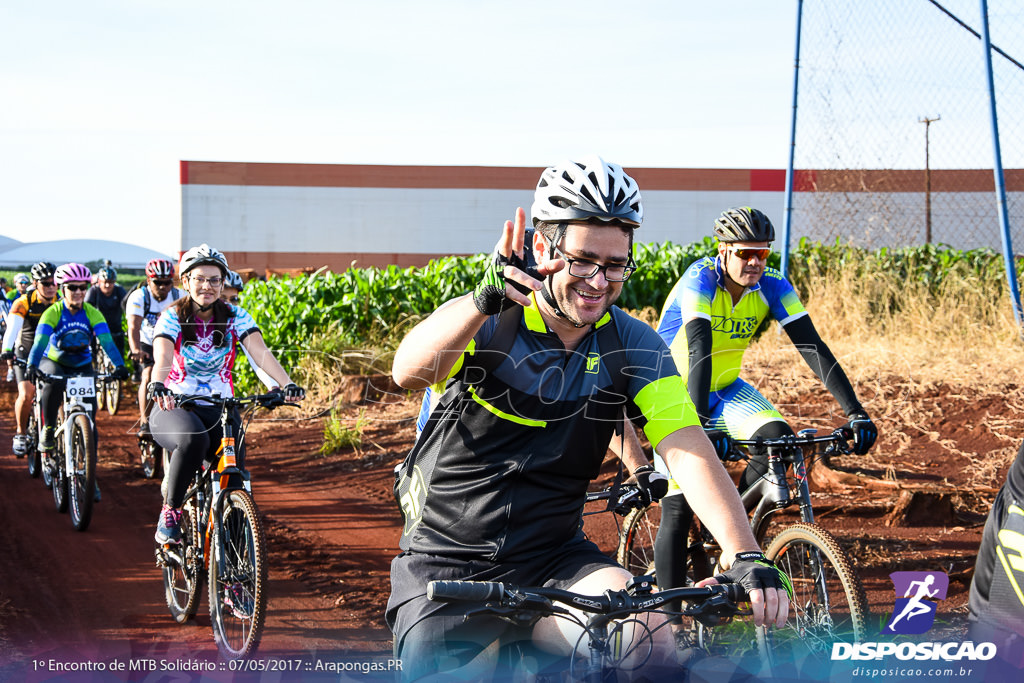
(911, 355)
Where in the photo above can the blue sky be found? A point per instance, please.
(102, 99)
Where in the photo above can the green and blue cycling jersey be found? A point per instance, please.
(65, 337)
(701, 293)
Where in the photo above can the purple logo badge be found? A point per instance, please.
(917, 597)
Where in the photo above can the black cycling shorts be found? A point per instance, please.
(148, 350)
(427, 632)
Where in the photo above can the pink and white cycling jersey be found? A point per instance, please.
(201, 367)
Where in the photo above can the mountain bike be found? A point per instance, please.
(829, 604)
(70, 469)
(155, 458)
(32, 453)
(613, 639)
(223, 540)
(109, 395)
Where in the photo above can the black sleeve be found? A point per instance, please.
(819, 357)
(698, 374)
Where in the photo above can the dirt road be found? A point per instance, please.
(96, 597)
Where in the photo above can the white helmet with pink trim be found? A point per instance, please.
(72, 272)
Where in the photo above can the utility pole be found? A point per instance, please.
(927, 180)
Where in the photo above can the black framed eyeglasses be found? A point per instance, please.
(613, 272)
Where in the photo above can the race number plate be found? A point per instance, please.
(81, 387)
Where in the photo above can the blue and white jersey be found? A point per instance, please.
(202, 367)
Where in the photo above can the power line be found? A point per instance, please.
(976, 34)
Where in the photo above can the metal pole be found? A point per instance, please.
(927, 181)
(1004, 223)
(787, 213)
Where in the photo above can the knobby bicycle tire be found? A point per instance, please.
(829, 603)
(183, 581)
(151, 457)
(112, 390)
(35, 464)
(636, 541)
(60, 478)
(238, 576)
(82, 477)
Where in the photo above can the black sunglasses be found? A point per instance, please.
(163, 283)
(77, 288)
(46, 283)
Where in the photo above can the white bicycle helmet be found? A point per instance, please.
(586, 189)
(234, 281)
(203, 255)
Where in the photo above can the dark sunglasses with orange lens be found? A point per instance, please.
(748, 253)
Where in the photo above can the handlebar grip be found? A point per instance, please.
(735, 592)
(469, 591)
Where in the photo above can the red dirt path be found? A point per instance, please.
(333, 528)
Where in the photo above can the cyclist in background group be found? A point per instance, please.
(63, 346)
(108, 296)
(21, 284)
(708, 321)
(195, 345)
(21, 331)
(233, 286)
(145, 305)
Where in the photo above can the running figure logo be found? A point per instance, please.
(914, 612)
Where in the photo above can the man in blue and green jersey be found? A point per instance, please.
(708, 321)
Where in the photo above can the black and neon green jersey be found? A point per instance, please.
(512, 450)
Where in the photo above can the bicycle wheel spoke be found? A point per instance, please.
(238, 576)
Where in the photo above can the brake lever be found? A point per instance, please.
(516, 617)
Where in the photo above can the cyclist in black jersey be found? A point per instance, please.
(996, 599)
(494, 486)
(108, 296)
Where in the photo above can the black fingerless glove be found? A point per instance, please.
(119, 373)
(157, 390)
(753, 570)
(721, 441)
(293, 392)
(7, 356)
(489, 295)
(653, 485)
(864, 432)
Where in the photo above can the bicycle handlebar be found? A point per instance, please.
(710, 598)
(839, 437)
(46, 377)
(271, 399)
(621, 498)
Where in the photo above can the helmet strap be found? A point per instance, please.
(547, 292)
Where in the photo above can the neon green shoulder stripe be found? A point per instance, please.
(503, 415)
